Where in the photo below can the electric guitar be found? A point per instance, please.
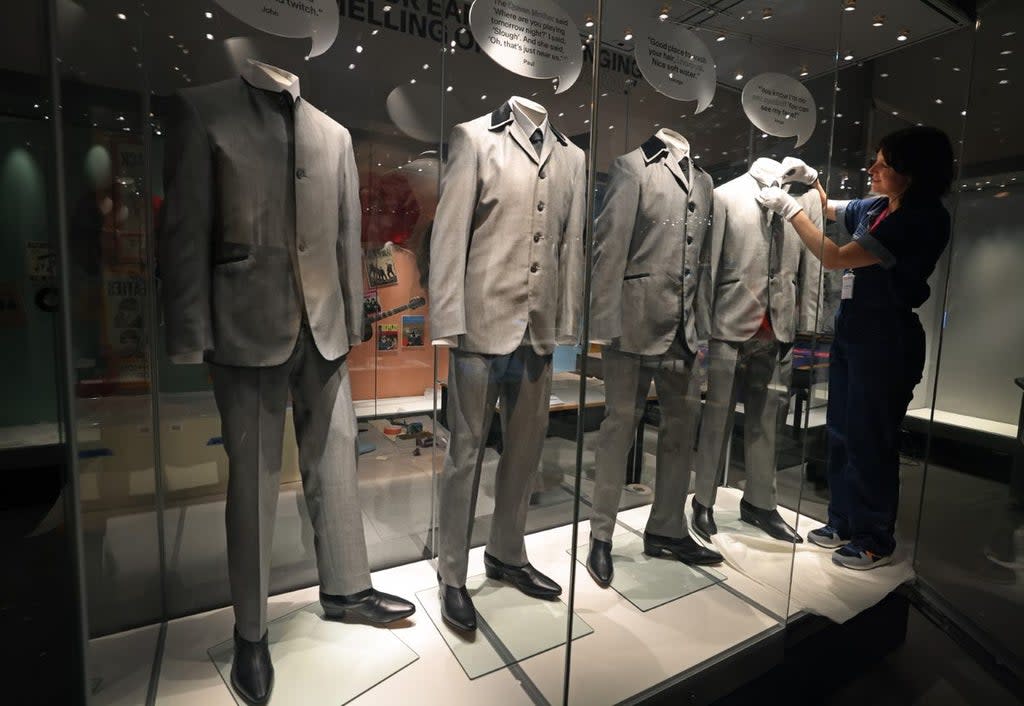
(370, 319)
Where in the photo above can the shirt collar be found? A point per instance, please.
(669, 138)
(503, 116)
(270, 78)
(766, 171)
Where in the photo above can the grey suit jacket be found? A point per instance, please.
(649, 241)
(507, 244)
(749, 274)
(260, 222)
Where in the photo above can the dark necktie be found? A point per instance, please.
(537, 140)
(684, 166)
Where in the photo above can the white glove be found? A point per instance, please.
(775, 199)
(796, 170)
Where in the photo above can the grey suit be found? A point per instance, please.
(649, 247)
(763, 282)
(505, 277)
(260, 269)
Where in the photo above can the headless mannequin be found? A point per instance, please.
(270, 78)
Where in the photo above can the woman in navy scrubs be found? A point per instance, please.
(877, 356)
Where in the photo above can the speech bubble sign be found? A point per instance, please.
(532, 38)
(780, 106)
(676, 62)
(317, 19)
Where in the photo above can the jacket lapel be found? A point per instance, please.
(550, 139)
(677, 172)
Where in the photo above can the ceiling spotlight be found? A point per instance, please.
(1004, 82)
(483, 97)
(848, 56)
(412, 80)
(739, 77)
(351, 66)
(628, 36)
(589, 22)
(938, 101)
(720, 38)
(387, 7)
(903, 36)
(209, 15)
(426, 66)
(849, 5)
(375, 32)
(803, 71)
(209, 36)
(450, 89)
(122, 16)
(1006, 52)
(878, 21)
(663, 15)
(766, 14)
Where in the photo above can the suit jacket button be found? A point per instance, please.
(302, 247)
(689, 240)
(534, 267)
(692, 206)
(542, 175)
(300, 173)
(540, 206)
(536, 237)
(687, 272)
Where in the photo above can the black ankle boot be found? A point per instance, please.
(252, 674)
(599, 562)
(703, 521)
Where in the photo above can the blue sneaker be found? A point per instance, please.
(827, 536)
(853, 557)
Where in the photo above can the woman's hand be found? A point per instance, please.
(796, 171)
(775, 199)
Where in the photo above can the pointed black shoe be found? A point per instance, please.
(369, 606)
(599, 562)
(526, 578)
(703, 521)
(770, 522)
(685, 550)
(457, 607)
(252, 674)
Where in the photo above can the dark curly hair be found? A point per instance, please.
(925, 155)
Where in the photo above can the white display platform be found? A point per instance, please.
(322, 662)
(648, 582)
(511, 626)
(966, 422)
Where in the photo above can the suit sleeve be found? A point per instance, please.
(613, 232)
(184, 243)
(809, 277)
(571, 261)
(710, 262)
(702, 318)
(350, 254)
(449, 244)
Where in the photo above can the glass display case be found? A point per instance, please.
(447, 352)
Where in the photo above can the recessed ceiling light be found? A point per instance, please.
(589, 22)
(359, 49)
(739, 77)
(209, 36)
(663, 15)
(903, 36)
(720, 38)
(938, 101)
(426, 66)
(387, 7)
(450, 89)
(483, 97)
(374, 32)
(351, 66)
(1009, 34)
(1001, 68)
(884, 75)
(848, 56)
(963, 113)
(766, 14)
(878, 21)
(122, 16)
(849, 5)
(1004, 82)
(412, 80)
(209, 15)
(628, 36)
(1006, 52)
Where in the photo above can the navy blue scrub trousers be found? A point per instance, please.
(877, 358)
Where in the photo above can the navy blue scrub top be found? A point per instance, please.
(908, 244)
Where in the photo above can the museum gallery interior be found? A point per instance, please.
(507, 351)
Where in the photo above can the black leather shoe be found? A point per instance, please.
(526, 578)
(770, 522)
(457, 607)
(599, 562)
(685, 550)
(369, 606)
(252, 674)
(704, 521)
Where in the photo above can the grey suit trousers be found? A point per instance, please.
(252, 403)
(522, 380)
(627, 379)
(761, 369)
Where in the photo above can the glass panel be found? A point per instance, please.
(971, 543)
(880, 339)
(43, 614)
(703, 312)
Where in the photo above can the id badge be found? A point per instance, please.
(848, 278)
